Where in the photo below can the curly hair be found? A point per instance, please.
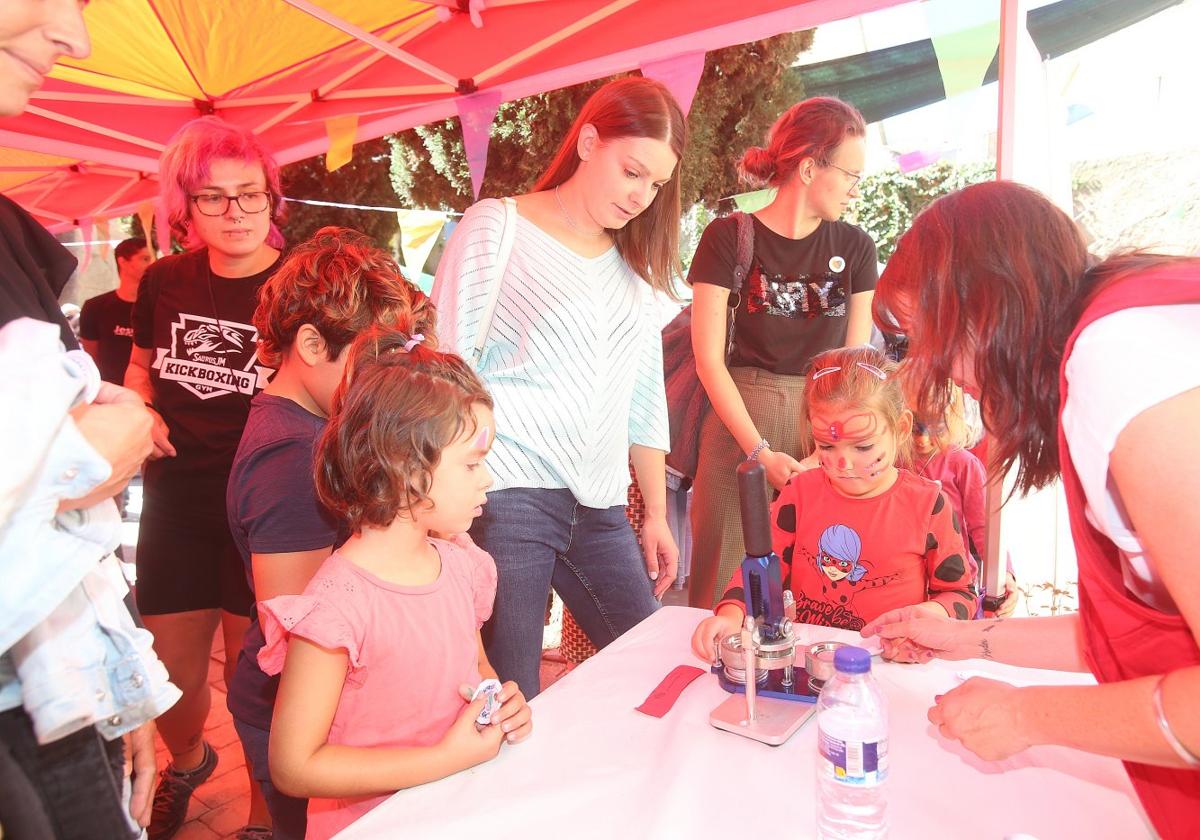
(342, 284)
(400, 405)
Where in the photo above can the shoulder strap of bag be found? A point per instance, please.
(745, 249)
(741, 268)
(507, 234)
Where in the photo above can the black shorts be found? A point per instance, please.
(187, 560)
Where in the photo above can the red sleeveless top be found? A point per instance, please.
(1124, 638)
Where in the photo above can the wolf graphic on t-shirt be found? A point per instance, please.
(209, 358)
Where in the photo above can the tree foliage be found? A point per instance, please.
(741, 92)
(364, 181)
(891, 199)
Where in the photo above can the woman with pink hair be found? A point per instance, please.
(194, 364)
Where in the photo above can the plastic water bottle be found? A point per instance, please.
(852, 746)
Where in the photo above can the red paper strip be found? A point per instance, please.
(664, 696)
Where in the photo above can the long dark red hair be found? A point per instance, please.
(999, 268)
(635, 107)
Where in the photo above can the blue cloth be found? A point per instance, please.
(273, 509)
(289, 815)
(541, 538)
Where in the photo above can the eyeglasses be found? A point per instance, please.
(931, 429)
(854, 179)
(217, 204)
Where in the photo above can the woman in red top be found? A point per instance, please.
(1088, 375)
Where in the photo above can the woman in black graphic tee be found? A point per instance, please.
(194, 363)
(808, 289)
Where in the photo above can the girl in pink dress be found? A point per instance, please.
(382, 649)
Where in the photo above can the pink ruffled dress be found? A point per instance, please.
(417, 645)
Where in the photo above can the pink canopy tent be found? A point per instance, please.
(305, 75)
(62, 191)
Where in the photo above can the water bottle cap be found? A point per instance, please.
(852, 660)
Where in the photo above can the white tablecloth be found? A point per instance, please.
(596, 768)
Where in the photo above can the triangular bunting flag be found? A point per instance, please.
(681, 74)
(145, 214)
(754, 201)
(103, 235)
(342, 132)
(85, 232)
(475, 113)
(163, 230)
(419, 231)
(965, 38)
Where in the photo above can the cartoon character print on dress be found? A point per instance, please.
(843, 575)
(797, 296)
(209, 357)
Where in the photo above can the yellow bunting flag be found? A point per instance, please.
(102, 235)
(342, 132)
(145, 214)
(419, 231)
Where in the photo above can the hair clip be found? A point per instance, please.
(413, 342)
(871, 369)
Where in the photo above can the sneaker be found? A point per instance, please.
(173, 794)
(254, 832)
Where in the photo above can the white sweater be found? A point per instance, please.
(573, 359)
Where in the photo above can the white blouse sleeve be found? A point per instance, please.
(461, 287)
(648, 425)
(1122, 365)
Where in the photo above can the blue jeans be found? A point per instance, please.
(289, 815)
(543, 538)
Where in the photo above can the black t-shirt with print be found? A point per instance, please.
(795, 300)
(105, 319)
(203, 370)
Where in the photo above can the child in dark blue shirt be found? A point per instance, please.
(330, 289)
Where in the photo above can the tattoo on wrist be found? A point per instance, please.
(985, 649)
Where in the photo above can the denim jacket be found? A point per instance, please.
(71, 652)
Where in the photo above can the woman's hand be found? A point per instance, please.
(660, 552)
(141, 766)
(915, 634)
(985, 715)
(780, 467)
(722, 624)
(120, 433)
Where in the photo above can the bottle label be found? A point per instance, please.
(859, 763)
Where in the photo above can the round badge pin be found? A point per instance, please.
(836, 264)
